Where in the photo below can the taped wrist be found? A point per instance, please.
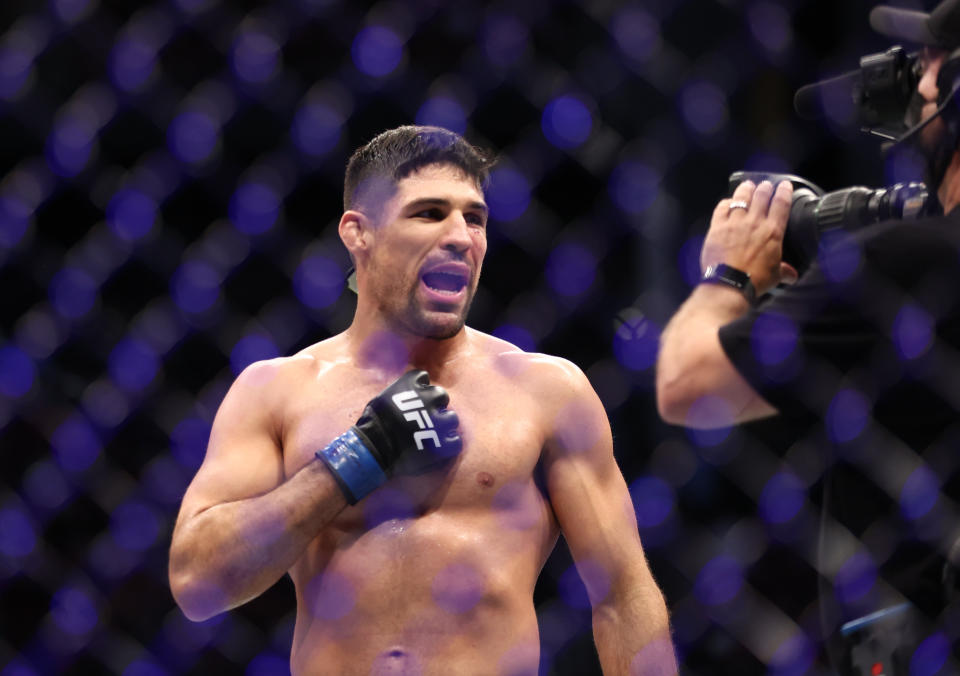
(353, 465)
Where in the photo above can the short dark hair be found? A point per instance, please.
(375, 168)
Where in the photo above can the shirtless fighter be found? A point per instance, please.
(412, 474)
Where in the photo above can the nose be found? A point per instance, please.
(927, 87)
(456, 236)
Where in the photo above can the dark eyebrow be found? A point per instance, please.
(440, 202)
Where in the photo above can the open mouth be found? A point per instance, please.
(445, 282)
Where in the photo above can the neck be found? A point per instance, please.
(949, 190)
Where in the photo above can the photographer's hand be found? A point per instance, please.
(751, 239)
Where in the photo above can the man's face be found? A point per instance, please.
(428, 245)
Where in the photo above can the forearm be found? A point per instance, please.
(632, 633)
(232, 552)
(691, 362)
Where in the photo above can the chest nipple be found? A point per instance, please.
(485, 479)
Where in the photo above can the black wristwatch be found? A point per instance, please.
(722, 273)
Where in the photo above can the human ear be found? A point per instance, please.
(354, 231)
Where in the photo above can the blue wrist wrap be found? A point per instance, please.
(352, 465)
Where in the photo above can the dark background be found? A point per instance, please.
(170, 179)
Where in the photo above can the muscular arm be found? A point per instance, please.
(593, 508)
(241, 525)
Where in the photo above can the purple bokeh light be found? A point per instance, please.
(793, 657)
(251, 348)
(145, 668)
(688, 260)
(457, 588)
(782, 498)
(920, 493)
(332, 596)
(717, 412)
(508, 194)
(930, 656)
(443, 111)
(719, 581)
(195, 286)
(770, 26)
(566, 122)
(254, 207)
(387, 504)
(255, 57)
(188, 442)
(516, 335)
(847, 415)
(44, 485)
(653, 500)
(377, 51)
(505, 39)
(17, 371)
(74, 611)
(131, 214)
(912, 331)
(132, 62)
(70, 145)
(319, 281)
(636, 343)
(704, 107)
(317, 128)
(571, 270)
(636, 32)
(634, 186)
(133, 364)
(16, 65)
(134, 525)
(72, 292)
(838, 255)
(15, 218)
(855, 578)
(268, 663)
(75, 443)
(773, 338)
(192, 136)
(17, 536)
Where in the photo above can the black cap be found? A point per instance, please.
(939, 28)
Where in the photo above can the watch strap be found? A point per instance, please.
(721, 273)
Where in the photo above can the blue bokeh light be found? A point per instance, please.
(192, 136)
(131, 214)
(134, 525)
(571, 270)
(17, 371)
(255, 57)
(839, 255)
(516, 335)
(719, 581)
(254, 207)
(653, 500)
(188, 442)
(17, 536)
(912, 331)
(782, 498)
(773, 338)
(566, 122)
(508, 194)
(634, 186)
(572, 590)
(716, 410)
(70, 145)
(74, 611)
(132, 62)
(930, 656)
(147, 668)
(688, 260)
(72, 292)
(45, 485)
(847, 415)
(319, 281)
(770, 26)
(704, 107)
(268, 663)
(251, 348)
(15, 217)
(636, 343)
(133, 364)
(195, 286)
(505, 39)
(317, 128)
(75, 443)
(920, 493)
(443, 111)
(377, 51)
(793, 657)
(15, 68)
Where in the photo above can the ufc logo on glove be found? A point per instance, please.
(415, 412)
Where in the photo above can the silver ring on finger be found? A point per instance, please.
(738, 204)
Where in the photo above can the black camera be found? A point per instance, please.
(883, 91)
(815, 213)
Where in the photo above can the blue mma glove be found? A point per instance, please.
(406, 429)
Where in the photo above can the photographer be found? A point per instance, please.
(866, 345)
